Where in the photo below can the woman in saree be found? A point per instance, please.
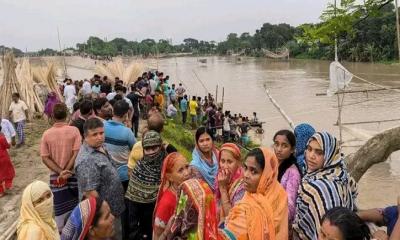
(325, 185)
(51, 100)
(263, 211)
(91, 219)
(196, 213)
(230, 185)
(36, 220)
(175, 170)
(204, 163)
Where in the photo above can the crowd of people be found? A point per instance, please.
(105, 184)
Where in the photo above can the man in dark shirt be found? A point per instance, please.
(96, 174)
(105, 86)
(86, 110)
(135, 95)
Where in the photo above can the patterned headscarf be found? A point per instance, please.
(234, 149)
(146, 175)
(80, 220)
(302, 132)
(151, 138)
(168, 164)
(326, 188)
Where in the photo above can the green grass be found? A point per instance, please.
(180, 137)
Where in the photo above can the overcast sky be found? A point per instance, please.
(32, 24)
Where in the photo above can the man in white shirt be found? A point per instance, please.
(70, 95)
(180, 91)
(86, 87)
(226, 127)
(153, 86)
(171, 110)
(8, 130)
(18, 112)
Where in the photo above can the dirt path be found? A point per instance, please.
(28, 167)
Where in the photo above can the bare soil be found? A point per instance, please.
(28, 167)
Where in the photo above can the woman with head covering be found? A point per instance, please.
(36, 220)
(7, 171)
(91, 219)
(196, 213)
(204, 163)
(288, 172)
(302, 132)
(263, 211)
(174, 172)
(229, 187)
(325, 185)
(143, 186)
(49, 105)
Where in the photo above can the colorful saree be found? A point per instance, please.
(264, 214)
(195, 216)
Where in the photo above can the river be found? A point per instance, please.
(294, 85)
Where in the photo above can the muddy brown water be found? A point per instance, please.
(294, 85)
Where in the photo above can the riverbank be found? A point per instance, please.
(28, 167)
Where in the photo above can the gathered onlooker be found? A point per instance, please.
(18, 112)
(96, 173)
(58, 148)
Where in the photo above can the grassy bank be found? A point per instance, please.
(182, 137)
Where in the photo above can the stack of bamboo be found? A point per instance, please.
(28, 91)
(47, 75)
(117, 69)
(10, 83)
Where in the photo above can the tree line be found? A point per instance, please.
(364, 32)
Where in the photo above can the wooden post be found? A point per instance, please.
(397, 26)
(216, 95)
(59, 45)
(223, 95)
(339, 120)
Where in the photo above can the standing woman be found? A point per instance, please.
(174, 172)
(49, 105)
(36, 220)
(196, 213)
(204, 163)
(288, 174)
(230, 185)
(144, 185)
(325, 185)
(7, 172)
(263, 211)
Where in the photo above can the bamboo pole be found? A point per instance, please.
(201, 82)
(223, 96)
(359, 91)
(10, 232)
(216, 94)
(368, 122)
(282, 112)
(339, 120)
(63, 53)
(397, 26)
